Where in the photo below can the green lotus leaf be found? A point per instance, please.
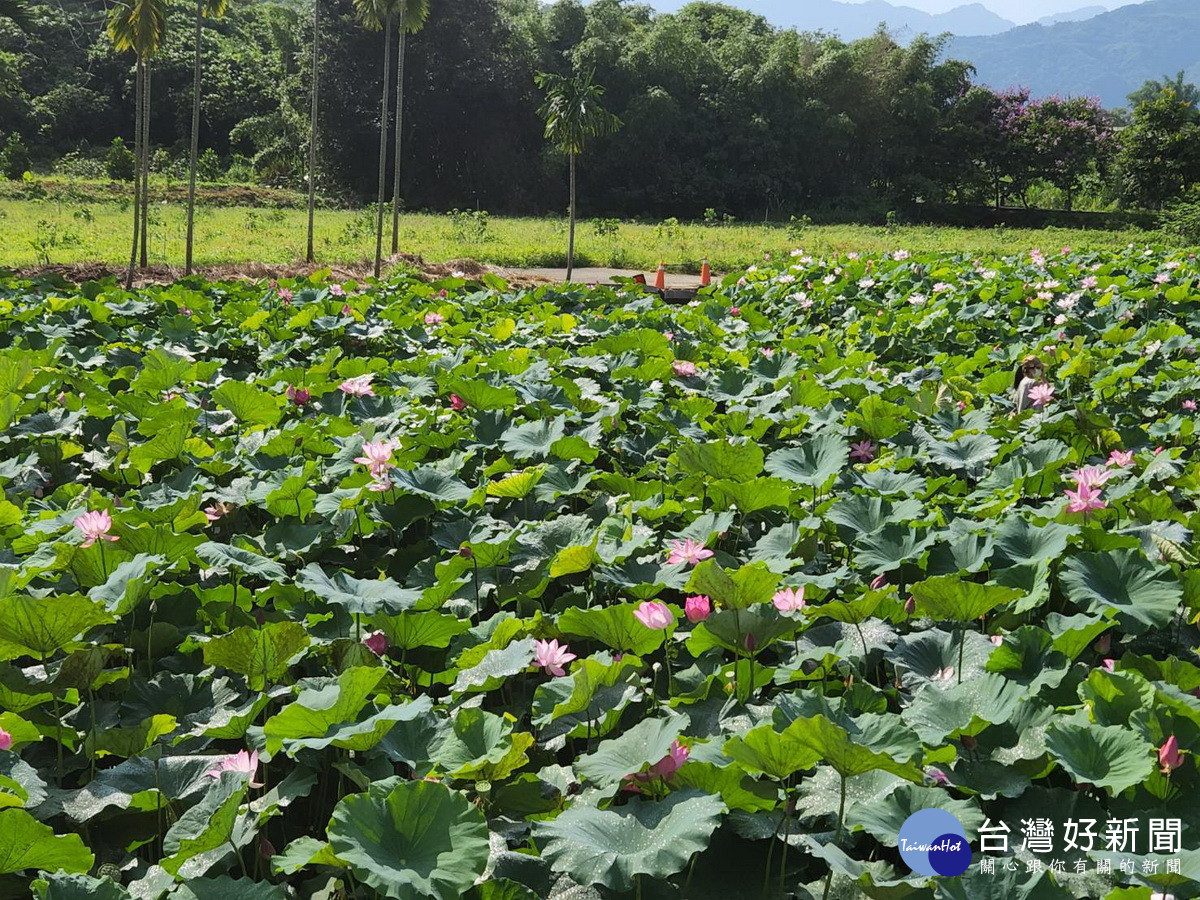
(225, 557)
(357, 595)
(721, 460)
(1110, 757)
(261, 653)
(949, 598)
(419, 840)
(249, 405)
(40, 628)
(1143, 595)
(27, 845)
(613, 847)
(615, 627)
(207, 826)
(644, 744)
(814, 462)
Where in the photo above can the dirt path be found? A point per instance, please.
(160, 274)
(600, 276)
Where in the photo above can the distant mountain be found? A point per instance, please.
(855, 20)
(1108, 56)
(1074, 15)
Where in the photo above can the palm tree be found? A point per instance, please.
(380, 14)
(573, 115)
(312, 128)
(138, 26)
(413, 14)
(214, 8)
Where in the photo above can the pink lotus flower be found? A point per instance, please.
(434, 318)
(789, 599)
(938, 776)
(376, 642)
(243, 762)
(669, 335)
(687, 551)
(1108, 665)
(552, 656)
(95, 526)
(1092, 476)
(299, 396)
(735, 310)
(1169, 756)
(358, 386)
(217, 509)
(654, 615)
(1040, 395)
(380, 482)
(6, 740)
(683, 368)
(457, 403)
(879, 581)
(996, 639)
(377, 457)
(1158, 450)
(863, 451)
(664, 769)
(1084, 499)
(1189, 405)
(285, 295)
(910, 605)
(337, 290)
(347, 309)
(1121, 458)
(671, 763)
(697, 608)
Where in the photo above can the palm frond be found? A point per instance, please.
(138, 26)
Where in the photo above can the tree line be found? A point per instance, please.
(720, 110)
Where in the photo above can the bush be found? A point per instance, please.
(14, 158)
(241, 171)
(76, 165)
(208, 166)
(120, 163)
(1182, 219)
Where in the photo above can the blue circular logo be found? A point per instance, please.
(933, 842)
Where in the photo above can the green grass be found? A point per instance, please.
(72, 226)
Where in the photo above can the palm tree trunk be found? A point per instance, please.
(383, 136)
(137, 174)
(312, 130)
(195, 148)
(145, 162)
(400, 45)
(571, 235)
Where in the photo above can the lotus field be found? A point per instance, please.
(398, 589)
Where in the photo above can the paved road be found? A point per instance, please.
(598, 276)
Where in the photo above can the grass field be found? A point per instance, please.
(74, 226)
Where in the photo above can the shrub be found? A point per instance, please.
(1181, 219)
(14, 158)
(208, 166)
(120, 162)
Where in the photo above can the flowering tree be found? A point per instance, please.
(1067, 138)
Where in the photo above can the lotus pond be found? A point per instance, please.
(398, 589)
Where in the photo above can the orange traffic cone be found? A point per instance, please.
(705, 274)
(660, 277)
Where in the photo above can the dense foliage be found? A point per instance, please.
(806, 121)
(392, 587)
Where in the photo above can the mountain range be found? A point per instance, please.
(1089, 51)
(1107, 56)
(852, 20)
